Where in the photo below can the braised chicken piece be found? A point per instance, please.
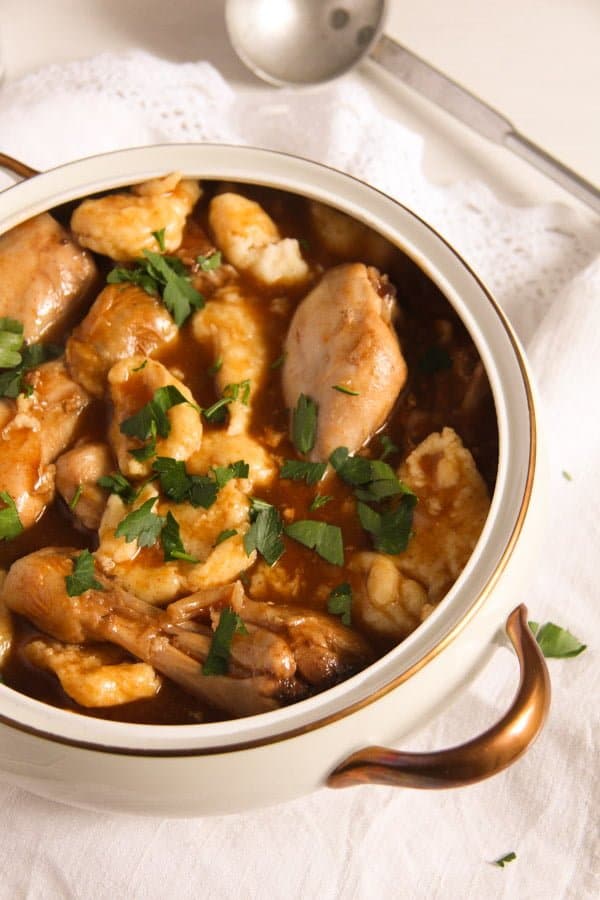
(34, 430)
(35, 587)
(45, 276)
(94, 676)
(343, 353)
(251, 240)
(398, 592)
(123, 321)
(123, 225)
(133, 383)
(77, 474)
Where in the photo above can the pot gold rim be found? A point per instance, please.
(26, 171)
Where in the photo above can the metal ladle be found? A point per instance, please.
(303, 42)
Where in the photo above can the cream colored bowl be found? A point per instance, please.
(230, 766)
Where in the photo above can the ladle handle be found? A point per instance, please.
(485, 120)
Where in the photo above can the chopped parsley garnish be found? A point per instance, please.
(216, 366)
(567, 475)
(304, 244)
(372, 479)
(505, 859)
(264, 534)
(217, 660)
(76, 497)
(82, 577)
(277, 364)
(165, 277)
(225, 535)
(325, 539)
(556, 642)
(319, 501)
(118, 484)
(388, 447)
(339, 603)
(30, 356)
(345, 390)
(152, 420)
(141, 366)
(238, 391)
(435, 359)
(10, 523)
(391, 529)
(11, 341)
(159, 237)
(141, 525)
(298, 470)
(209, 261)
(304, 424)
(199, 490)
(170, 538)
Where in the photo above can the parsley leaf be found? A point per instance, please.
(304, 424)
(118, 484)
(10, 523)
(339, 603)
(152, 420)
(165, 277)
(567, 475)
(265, 532)
(209, 261)
(31, 356)
(170, 538)
(319, 501)
(217, 660)
(216, 366)
(11, 341)
(199, 490)
(372, 479)
(141, 525)
(141, 366)
(298, 470)
(237, 391)
(435, 359)
(225, 535)
(223, 474)
(505, 859)
(76, 497)
(390, 530)
(159, 237)
(82, 577)
(388, 447)
(277, 364)
(556, 642)
(325, 539)
(345, 390)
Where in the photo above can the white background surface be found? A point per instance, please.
(538, 62)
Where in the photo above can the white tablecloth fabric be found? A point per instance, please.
(543, 265)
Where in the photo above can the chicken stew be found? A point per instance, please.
(246, 447)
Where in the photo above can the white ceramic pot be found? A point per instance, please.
(235, 765)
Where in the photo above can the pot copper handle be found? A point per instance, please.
(477, 759)
(16, 167)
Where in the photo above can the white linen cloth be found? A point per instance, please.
(543, 265)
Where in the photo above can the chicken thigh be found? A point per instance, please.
(44, 276)
(341, 337)
(123, 321)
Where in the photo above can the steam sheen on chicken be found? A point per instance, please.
(341, 336)
(44, 276)
(123, 225)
